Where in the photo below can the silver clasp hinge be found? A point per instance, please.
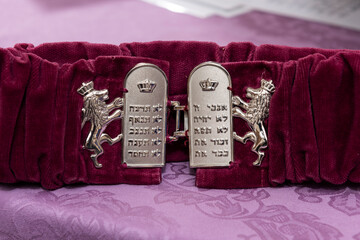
(179, 108)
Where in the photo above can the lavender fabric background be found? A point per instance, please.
(175, 209)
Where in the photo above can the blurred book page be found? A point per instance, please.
(344, 13)
(202, 8)
(187, 7)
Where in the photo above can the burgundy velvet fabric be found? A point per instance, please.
(313, 126)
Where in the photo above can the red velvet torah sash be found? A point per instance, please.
(313, 126)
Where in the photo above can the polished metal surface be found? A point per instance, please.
(210, 116)
(97, 112)
(144, 123)
(207, 118)
(179, 133)
(256, 111)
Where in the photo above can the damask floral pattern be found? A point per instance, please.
(176, 209)
(90, 214)
(247, 205)
(345, 199)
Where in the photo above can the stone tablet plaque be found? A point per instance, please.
(210, 118)
(144, 123)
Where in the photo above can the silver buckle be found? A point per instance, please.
(207, 119)
(210, 116)
(211, 108)
(144, 117)
(144, 124)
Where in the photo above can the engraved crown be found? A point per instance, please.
(268, 85)
(86, 88)
(208, 85)
(146, 86)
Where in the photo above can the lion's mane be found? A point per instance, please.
(258, 109)
(96, 110)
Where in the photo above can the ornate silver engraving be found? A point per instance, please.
(97, 112)
(144, 122)
(146, 86)
(257, 110)
(210, 121)
(208, 85)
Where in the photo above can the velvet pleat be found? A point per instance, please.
(313, 125)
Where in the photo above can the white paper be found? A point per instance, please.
(344, 13)
(202, 8)
(194, 9)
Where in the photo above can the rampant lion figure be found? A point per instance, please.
(257, 110)
(97, 112)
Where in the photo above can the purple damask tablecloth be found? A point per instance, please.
(175, 209)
